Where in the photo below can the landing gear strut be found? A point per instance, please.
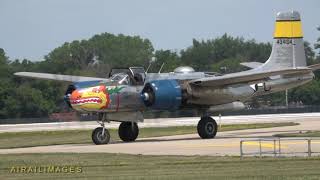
(207, 127)
(101, 135)
(128, 131)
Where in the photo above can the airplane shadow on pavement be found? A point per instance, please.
(238, 135)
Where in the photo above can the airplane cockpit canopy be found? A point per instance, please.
(121, 78)
(130, 76)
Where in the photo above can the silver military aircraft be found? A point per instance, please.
(126, 93)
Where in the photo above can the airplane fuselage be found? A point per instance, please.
(101, 97)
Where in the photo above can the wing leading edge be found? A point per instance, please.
(251, 65)
(56, 77)
(314, 67)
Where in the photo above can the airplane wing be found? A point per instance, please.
(314, 67)
(251, 65)
(243, 77)
(57, 77)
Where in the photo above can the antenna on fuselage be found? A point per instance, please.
(161, 68)
(153, 59)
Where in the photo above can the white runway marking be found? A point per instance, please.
(161, 122)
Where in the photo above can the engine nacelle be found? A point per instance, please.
(162, 94)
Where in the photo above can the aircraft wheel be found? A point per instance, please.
(207, 128)
(99, 138)
(128, 133)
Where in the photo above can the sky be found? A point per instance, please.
(32, 28)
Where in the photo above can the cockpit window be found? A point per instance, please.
(121, 78)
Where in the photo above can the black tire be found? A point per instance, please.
(207, 128)
(127, 133)
(97, 137)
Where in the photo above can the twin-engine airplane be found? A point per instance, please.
(128, 92)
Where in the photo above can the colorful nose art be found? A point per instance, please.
(93, 98)
(90, 98)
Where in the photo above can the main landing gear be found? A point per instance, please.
(128, 131)
(207, 127)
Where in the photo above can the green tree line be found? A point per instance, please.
(96, 56)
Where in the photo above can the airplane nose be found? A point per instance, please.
(74, 97)
(89, 99)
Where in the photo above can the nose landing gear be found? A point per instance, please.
(101, 135)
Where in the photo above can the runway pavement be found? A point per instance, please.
(225, 143)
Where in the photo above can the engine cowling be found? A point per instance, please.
(162, 94)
